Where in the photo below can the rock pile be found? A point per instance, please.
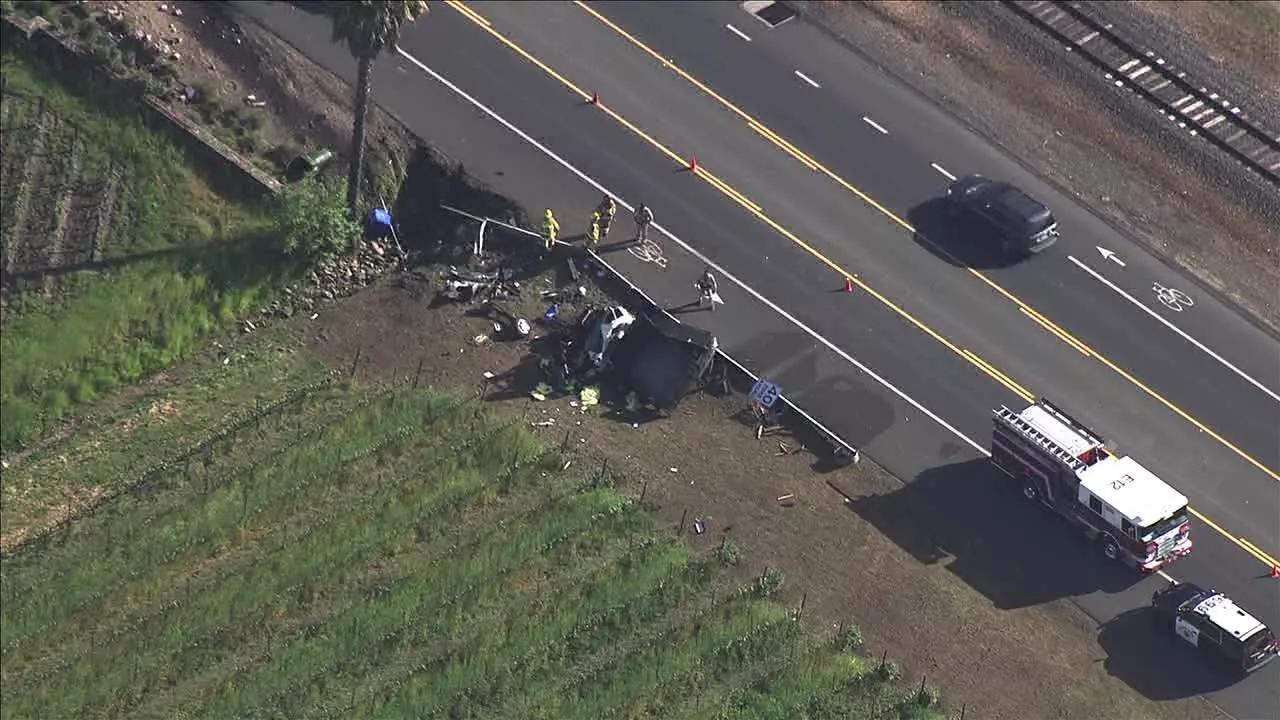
(336, 279)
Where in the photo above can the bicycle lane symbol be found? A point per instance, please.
(1172, 298)
(649, 252)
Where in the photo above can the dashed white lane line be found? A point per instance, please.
(701, 258)
(807, 79)
(942, 170)
(874, 124)
(738, 32)
(707, 261)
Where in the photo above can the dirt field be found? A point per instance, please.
(705, 463)
(1051, 111)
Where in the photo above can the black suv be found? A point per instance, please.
(1212, 623)
(1022, 225)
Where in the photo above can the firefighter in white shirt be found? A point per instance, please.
(643, 218)
(708, 289)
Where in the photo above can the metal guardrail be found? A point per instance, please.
(1192, 106)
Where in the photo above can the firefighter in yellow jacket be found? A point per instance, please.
(593, 230)
(607, 209)
(550, 229)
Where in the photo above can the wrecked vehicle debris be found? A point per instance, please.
(463, 285)
(662, 360)
(651, 360)
(597, 331)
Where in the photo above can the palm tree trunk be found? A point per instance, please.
(364, 85)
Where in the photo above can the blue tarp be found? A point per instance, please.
(379, 223)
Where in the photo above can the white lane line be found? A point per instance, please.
(1165, 575)
(1138, 303)
(942, 170)
(807, 79)
(701, 258)
(874, 124)
(738, 32)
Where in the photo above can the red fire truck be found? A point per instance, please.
(1134, 516)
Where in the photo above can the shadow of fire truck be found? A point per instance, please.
(971, 517)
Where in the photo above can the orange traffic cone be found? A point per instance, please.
(1275, 571)
(595, 98)
(693, 163)
(848, 284)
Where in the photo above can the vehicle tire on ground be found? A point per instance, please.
(1030, 491)
(1110, 550)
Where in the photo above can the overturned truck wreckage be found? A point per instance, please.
(661, 360)
(652, 356)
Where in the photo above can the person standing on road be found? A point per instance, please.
(607, 209)
(593, 230)
(708, 290)
(643, 218)
(550, 229)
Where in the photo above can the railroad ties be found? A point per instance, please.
(1194, 108)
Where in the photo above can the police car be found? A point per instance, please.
(1212, 623)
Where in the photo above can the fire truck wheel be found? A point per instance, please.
(1029, 491)
(1110, 549)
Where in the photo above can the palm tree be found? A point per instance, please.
(367, 27)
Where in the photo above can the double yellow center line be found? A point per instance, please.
(813, 164)
(808, 161)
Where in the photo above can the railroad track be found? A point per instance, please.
(1180, 98)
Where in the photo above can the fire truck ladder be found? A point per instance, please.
(1039, 438)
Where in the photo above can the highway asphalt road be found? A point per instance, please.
(958, 307)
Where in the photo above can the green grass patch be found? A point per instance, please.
(387, 552)
(175, 261)
(140, 432)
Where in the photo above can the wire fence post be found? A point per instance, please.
(418, 375)
(644, 489)
(355, 363)
(683, 516)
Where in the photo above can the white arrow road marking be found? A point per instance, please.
(1110, 255)
(1097, 276)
